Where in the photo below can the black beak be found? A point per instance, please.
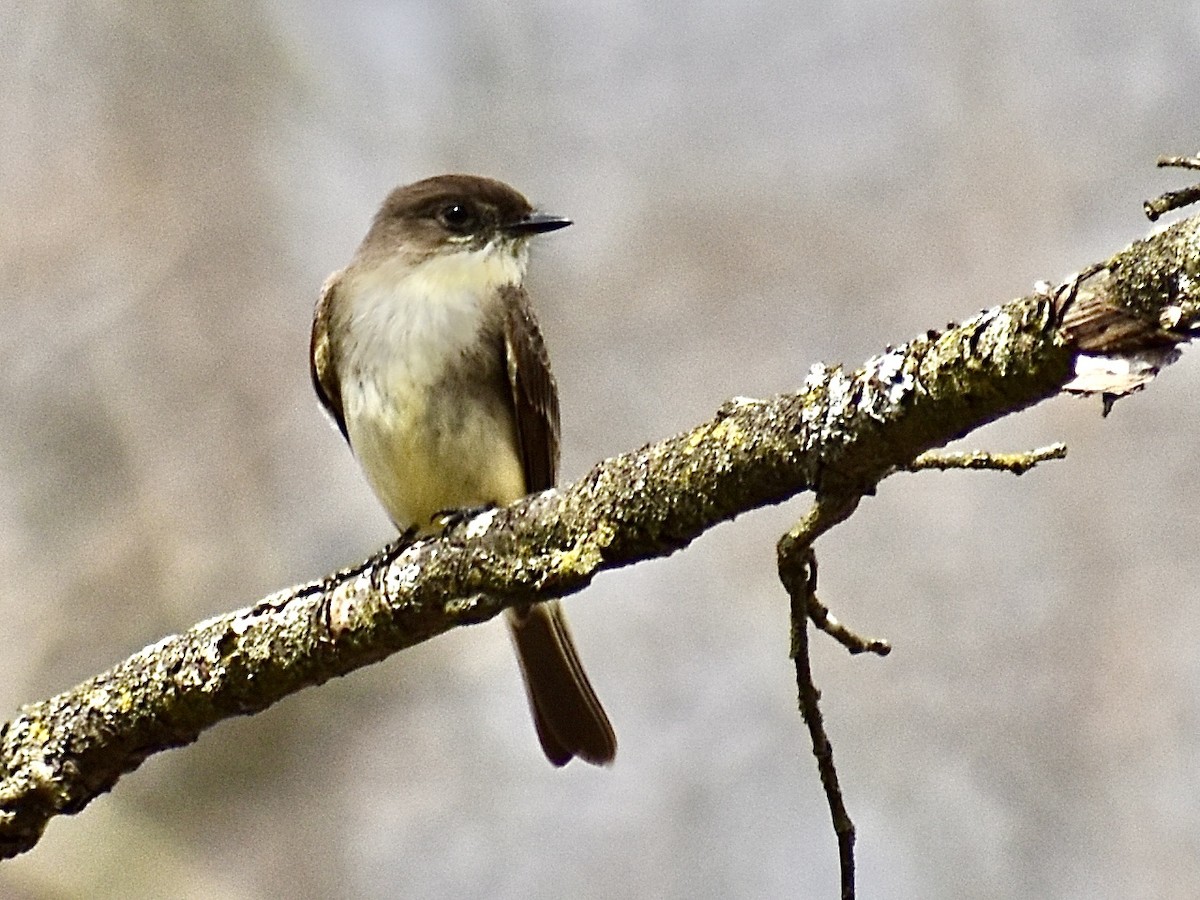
(536, 223)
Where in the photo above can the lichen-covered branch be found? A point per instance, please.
(841, 433)
(1015, 463)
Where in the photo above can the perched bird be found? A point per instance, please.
(426, 353)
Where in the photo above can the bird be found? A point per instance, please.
(426, 353)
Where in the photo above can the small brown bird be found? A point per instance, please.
(426, 353)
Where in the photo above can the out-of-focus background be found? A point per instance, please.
(756, 187)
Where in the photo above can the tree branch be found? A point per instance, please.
(797, 563)
(839, 435)
(1016, 463)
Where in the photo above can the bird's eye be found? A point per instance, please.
(456, 217)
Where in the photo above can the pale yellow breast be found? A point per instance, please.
(420, 462)
(424, 443)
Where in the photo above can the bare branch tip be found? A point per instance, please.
(1015, 463)
(1173, 200)
(827, 622)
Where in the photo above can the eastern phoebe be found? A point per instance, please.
(426, 353)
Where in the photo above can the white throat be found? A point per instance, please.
(411, 320)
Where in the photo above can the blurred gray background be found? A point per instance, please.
(756, 187)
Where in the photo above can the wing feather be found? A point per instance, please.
(321, 365)
(534, 393)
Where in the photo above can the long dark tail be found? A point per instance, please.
(566, 712)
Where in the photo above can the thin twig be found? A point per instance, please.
(1172, 200)
(1178, 162)
(828, 623)
(1017, 463)
(798, 572)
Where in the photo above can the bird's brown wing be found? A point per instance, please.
(566, 712)
(320, 359)
(534, 394)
